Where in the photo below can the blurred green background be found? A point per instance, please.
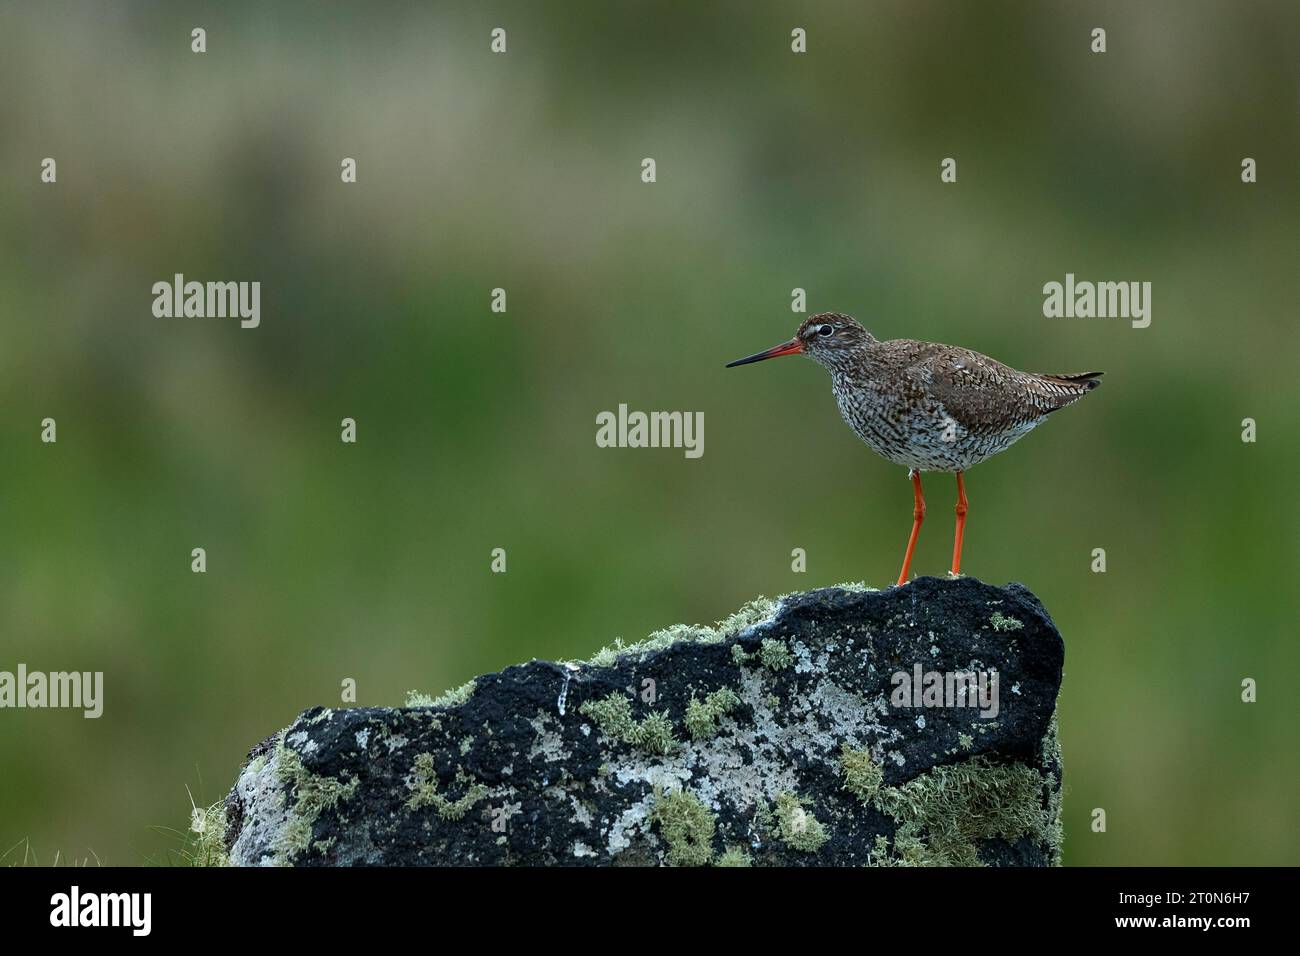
(476, 431)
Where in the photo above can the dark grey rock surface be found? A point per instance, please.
(775, 738)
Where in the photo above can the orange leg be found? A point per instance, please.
(918, 515)
(962, 507)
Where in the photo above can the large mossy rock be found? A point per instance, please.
(783, 736)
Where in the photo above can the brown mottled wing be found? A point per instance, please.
(985, 396)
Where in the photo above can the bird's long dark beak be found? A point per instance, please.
(793, 347)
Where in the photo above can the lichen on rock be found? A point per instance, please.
(768, 739)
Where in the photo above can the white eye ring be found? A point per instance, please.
(825, 330)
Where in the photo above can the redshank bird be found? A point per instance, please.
(926, 406)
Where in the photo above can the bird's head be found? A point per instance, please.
(828, 338)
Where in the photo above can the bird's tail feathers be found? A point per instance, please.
(1086, 380)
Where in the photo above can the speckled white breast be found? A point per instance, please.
(918, 434)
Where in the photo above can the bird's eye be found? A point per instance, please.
(825, 330)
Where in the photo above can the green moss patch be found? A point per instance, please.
(452, 698)
(425, 793)
(312, 795)
(733, 856)
(798, 828)
(759, 609)
(613, 716)
(943, 814)
(687, 826)
(863, 777)
(774, 655)
(702, 715)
